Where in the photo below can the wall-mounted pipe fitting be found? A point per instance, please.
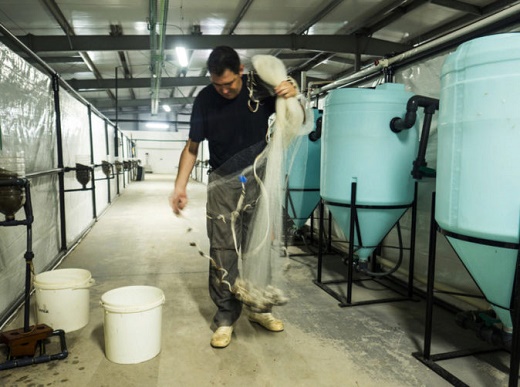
(430, 105)
(397, 124)
(315, 135)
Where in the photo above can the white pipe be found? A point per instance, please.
(422, 48)
(303, 80)
(312, 84)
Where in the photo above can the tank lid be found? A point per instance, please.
(385, 93)
(487, 49)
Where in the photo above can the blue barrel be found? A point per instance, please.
(358, 146)
(478, 161)
(303, 175)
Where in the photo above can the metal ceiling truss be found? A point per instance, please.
(352, 39)
(380, 18)
(108, 104)
(56, 12)
(463, 21)
(117, 30)
(135, 83)
(332, 43)
(238, 19)
(304, 28)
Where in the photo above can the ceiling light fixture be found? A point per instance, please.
(167, 108)
(157, 125)
(182, 56)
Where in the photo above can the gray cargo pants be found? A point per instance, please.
(221, 202)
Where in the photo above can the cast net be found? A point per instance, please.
(260, 178)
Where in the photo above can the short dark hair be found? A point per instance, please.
(223, 58)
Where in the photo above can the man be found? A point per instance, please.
(235, 124)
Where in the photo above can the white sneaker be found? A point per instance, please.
(267, 320)
(222, 337)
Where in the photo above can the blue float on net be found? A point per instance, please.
(242, 179)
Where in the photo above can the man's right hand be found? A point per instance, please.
(178, 200)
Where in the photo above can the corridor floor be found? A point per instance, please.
(138, 241)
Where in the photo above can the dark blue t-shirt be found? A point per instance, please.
(229, 125)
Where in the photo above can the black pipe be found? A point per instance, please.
(91, 138)
(320, 242)
(43, 358)
(315, 135)
(515, 339)
(482, 323)
(363, 267)
(123, 174)
(107, 147)
(352, 223)
(397, 124)
(61, 175)
(388, 72)
(430, 283)
(29, 255)
(430, 105)
(411, 262)
(43, 173)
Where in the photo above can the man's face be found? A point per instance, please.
(228, 85)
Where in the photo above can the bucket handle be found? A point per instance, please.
(132, 309)
(86, 285)
(91, 282)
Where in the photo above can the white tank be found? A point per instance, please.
(478, 161)
(358, 145)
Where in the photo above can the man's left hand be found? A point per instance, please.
(286, 89)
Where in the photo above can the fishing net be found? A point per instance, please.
(258, 177)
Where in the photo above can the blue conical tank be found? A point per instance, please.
(478, 161)
(303, 175)
(359, 146)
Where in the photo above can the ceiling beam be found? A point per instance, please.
(54, 9)
(358, 29)
(295, 55)
(392, 16)
(60, 59)
(311, 63)
(238, 19)
(459, 6)
(331, 43)
(318, 15)
(117, 30)
(131, 83)
(467, 19)
(103, 104)
(372, 16)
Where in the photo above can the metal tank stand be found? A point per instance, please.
(23, 342)
(290, 205)
(429, 359)
(84, 176)
(346, 301)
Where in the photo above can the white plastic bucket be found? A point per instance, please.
(62, 298)
(132, 323)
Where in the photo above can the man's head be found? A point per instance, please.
(225, 71)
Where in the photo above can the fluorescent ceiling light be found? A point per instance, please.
(141, 26)
(182, 56)
(157, 125)
(167, 108)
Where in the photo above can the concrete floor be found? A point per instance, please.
(138, 241)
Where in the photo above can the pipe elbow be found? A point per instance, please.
(397, 124)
